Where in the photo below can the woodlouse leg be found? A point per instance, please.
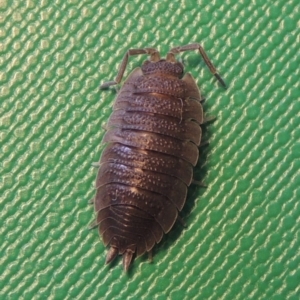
(201, 100)
(154, 56)
(203, 144)
(209, 120)
(199, 183)
(95, 164)
(150, 256)
(181, 221)
(189, 47)
(94, 225)
(104, 126)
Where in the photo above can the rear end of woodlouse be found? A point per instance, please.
(152, 141)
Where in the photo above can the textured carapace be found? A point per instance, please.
(152, 142)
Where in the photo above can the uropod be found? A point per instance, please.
(152, 141)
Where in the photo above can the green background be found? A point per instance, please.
(242, 237)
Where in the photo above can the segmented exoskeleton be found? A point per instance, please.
(152, 141)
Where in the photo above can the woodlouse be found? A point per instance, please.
(152, 141)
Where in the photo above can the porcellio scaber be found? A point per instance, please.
(152, 141)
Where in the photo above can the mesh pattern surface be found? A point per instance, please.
(242, 237)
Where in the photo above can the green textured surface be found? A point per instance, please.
(242, 239)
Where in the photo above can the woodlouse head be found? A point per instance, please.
(163, 67)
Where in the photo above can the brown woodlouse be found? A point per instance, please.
(152, 141)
